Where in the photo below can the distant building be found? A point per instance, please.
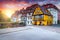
(16, 17)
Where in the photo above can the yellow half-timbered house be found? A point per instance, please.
(41, 17)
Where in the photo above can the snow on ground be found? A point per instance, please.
(32, 34)
(8, 30)
(51, 28)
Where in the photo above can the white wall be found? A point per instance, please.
(54, 12)
(29, 19)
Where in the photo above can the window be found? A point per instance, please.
(55, 22)
(36, 17)
(23, 18)
(29, 14)
(31, 22)
(41, 16)
(28, 22)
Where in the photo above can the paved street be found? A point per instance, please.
(34, 33)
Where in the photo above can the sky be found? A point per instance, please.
(8, 7)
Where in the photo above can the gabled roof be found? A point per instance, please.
(32, 7)
(50, 6)
(45, 11)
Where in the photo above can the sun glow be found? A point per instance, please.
(8, 12)
(10, 7)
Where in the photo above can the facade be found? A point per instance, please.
(38, 15)
(55, 15)
(16, 17)
(29, 19)
(41, 17)
(30, 11)
(26, 17)
(54, 11)
(23, 16)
